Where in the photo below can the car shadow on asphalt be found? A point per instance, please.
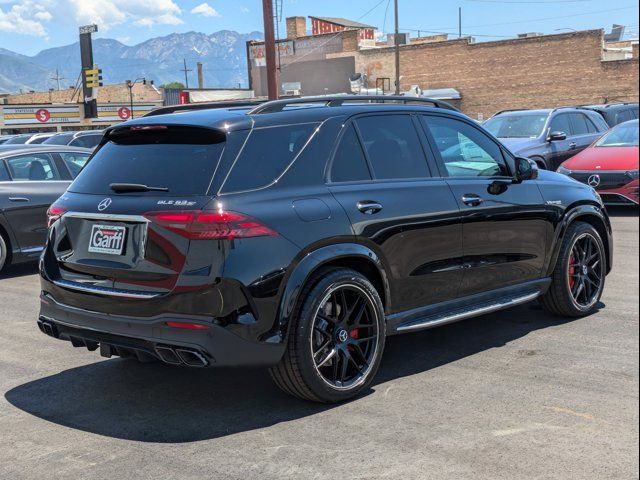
(623, 211)
(156, 403)
(19, 270)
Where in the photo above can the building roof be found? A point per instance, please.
(113, 93)
(343, 22)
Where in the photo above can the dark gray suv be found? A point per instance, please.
(549, 137)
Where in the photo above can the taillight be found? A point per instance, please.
(54, 213)
(210, 225)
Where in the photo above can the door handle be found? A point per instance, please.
(573, 145)
(19, 199)
(369, 207)
(471, 199)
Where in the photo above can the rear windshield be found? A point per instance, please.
(180, 159)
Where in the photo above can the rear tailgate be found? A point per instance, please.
(107, 237)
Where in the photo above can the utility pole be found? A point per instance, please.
(397, 45)
(186, 73)
(200, 75)
(270, 49)
(57, 78)
(459, 22)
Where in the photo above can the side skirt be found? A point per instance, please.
(463, 308)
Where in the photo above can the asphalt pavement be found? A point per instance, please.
(514, 395)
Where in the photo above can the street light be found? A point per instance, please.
(130, 85)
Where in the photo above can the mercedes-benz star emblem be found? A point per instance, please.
(104, 204)
(594, 180)
(343, 335)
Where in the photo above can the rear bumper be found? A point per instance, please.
(131, 336)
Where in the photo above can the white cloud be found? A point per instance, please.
(25, 18)
(108, 13)
(245, 10)
(205, 10)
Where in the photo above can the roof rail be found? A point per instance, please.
(276, 106)
(187, 107)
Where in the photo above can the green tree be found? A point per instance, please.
(176, 85)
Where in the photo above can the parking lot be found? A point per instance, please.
(518, 394)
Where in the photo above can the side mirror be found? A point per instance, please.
(557, 136)
(526, 169)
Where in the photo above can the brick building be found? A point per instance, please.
(528, 72)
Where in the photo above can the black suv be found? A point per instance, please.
(548, 137)
(301, 233)
(616, 113)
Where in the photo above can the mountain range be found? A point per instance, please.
(161, 59)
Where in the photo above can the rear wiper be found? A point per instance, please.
(135, 187)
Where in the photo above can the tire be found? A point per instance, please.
(354, 332)
(568, 273)
(542, 165)
(4, 252)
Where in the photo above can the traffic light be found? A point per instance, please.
(92, 77)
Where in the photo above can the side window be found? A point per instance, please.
(465, 150)
(86, 141)
(393, 147)
(349, 163)
(623, 116)
(267, 155)
(590, 125)
(580, 125)
(560, 123)
(35, 167)
(4, 174)
(74, 161)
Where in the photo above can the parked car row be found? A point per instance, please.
(32, 177)
(82, 139)
(578, 141)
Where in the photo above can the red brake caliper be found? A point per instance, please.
(353, 334)
(572, 271)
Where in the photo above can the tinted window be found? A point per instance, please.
(349, 163)
(180, 159)
(465, 150)
(560, 123)
(267, 155)
(393, 147)
(32, 167)
(86, 141)
(18, 139)
(580, 124)
(623, 116)
(74, 161)
(4, 175)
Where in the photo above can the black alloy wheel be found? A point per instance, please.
(585, 273)
(336, 338)
(579, 275)
(344, 336)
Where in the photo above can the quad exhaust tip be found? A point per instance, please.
(181, 356)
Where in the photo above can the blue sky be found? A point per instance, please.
(28, 26)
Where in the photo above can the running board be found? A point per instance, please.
(462, 314)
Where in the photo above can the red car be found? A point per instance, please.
(610, 165)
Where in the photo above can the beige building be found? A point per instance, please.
(58, 110)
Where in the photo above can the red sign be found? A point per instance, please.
(43, 115)
(124, 113)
